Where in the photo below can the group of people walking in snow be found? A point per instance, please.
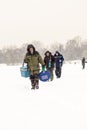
(49, 62)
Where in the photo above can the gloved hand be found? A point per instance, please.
(43, 67)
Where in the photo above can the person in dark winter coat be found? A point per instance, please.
(58, 63)
(49, 63)
(83, 62)
(33, 58)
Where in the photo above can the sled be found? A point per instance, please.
(24, 71)
(44, 76)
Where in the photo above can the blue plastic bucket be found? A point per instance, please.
(24, 71)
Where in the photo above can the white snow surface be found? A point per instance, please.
(60, 104)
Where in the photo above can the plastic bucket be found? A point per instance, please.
(24, 71)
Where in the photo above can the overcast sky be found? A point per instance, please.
(47, 21)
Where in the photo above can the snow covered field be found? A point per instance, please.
(57, 105)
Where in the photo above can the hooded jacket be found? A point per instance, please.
(58, 59)
(49, 59)
(33, 60)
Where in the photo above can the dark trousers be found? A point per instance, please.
(58, 72)
(83, 65)
(34, 80)
(51, 73)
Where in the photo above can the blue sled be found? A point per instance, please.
(44, 76)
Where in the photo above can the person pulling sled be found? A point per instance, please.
(49, 63)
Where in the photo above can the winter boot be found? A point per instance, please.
(32, 84)
(37, 84)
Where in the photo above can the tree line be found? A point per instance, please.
(74, 49)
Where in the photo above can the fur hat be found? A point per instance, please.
(30, 46)
(47, 52)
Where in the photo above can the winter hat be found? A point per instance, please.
(30, 46)
(57, 52)
(47, 52)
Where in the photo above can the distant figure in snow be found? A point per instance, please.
(83, 62)
(58, 63)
